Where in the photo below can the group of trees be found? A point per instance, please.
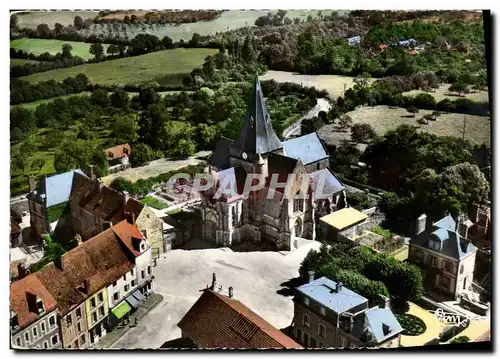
(161, 17)
(365, 272)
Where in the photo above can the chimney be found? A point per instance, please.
(230, 292)
(383, 301)
(58, 262)
(126, 196)
(311, 276)
(462, 227)
(91, 172)
(133, 218)
(214, 281)
(421, 224)
(78, 239)
(338, 287)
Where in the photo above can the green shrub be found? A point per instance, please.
(411, 324)
(461, 339)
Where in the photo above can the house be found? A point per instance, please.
(480, 232)
(118, 157)
(94, 207)
(220, 321)
(329, 315)
(445, 254)
(407, 43)
(33, 317)
(267, 214)
(382, 47)
(341, 226)
(49, 195)
(80, 281)
(356, 40)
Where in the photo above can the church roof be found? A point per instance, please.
(257, 135)
(307, 148)
(325, 184)
(220, 157)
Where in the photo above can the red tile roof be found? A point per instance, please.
(128, 233)
(96, 263)
(217, 321)
(118, 151)
(21, 290)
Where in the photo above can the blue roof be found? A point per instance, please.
(447, 223)
(322, 290)
(56, 188)
(307, 148)
(325, 184)
(441, 234)
(376, 318)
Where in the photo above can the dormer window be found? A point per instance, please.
(386, 329)
(435, 244)
(39, 306)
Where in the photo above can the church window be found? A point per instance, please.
(235, 216)
(297, 205)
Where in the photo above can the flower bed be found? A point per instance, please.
(412, 325)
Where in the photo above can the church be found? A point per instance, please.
(267, 214)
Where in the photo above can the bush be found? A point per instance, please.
(461, 339)
(411, 324)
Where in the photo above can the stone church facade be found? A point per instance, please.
(268, 214)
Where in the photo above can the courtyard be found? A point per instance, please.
(180, 275)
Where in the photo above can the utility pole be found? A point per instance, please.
(463, 131)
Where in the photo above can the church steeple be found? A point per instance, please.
(257, 135)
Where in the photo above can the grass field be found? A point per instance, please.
(33, 19)
(383, 119)
(131, 70)
(154, 202)
(334, 84)
(39, 46)
(21, 62)
(442, 93)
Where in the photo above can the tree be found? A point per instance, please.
(412, 109)
(78, 22)
(141, 155)
(147, 97)
(43, 30)
(167, 43)
(124, 128)
(185, 147)
(459, 88)
(97, 50)
(58, 28)
(120, 99)
(362, 132)
(345, 122)
(66, 51)
(362, 80)
(79, 154)
(100, 97)
(263, 21)
(14, 20)
(113, 49)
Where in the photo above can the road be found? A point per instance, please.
(321, 105)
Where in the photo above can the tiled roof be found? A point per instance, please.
(325, 184)
(220, 157)
(21, 291)
(344, 218)
(322, 290)
(380, 323)
(217, 321)
(118, 151)
(132, 207)
(96, 263)
(128, 233)
(307, 148)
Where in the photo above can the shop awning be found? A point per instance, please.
(121, 309)
(139, 296)
(132, 301)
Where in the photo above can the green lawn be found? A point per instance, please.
(131, 70)
(21, 62)
(39, 46)
(153, 202)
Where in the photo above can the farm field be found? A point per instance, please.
(131, 70)
(334, 84)
(21, 62)
(39, 46)
(65, 18)
(383, 119)
(442, 93)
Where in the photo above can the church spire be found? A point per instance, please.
(258, 135)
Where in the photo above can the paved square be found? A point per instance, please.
(181, 274)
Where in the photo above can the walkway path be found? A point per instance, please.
(294, 129)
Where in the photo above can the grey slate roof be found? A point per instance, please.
(322, 290)
(325, 184)
(220, 157)
(257, 135)
(372, 322)
(56, 188)
(307, 148)
(453, 245)
(227, 182)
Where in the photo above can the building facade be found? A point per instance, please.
(445, 254)
(74, 328)
(277, 212)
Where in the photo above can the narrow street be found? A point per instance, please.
(294, 129)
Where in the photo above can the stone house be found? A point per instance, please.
(118, 157)
(79, 281)
(341, 226)
(33, 317)
(220, 321)
(94, 207)
(267, 214)
(329, 315)
(445, 254)
(49, 193)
